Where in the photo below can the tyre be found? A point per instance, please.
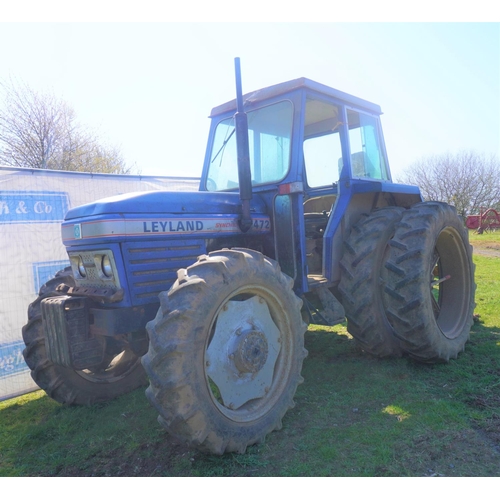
(429, 295)
(361, 285)
(122, 372)
(226, 351)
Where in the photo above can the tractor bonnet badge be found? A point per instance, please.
(77, 231)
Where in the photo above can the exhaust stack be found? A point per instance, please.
(243, 150)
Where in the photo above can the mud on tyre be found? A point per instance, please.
(226, 351)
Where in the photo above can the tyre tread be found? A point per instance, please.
(169, 363)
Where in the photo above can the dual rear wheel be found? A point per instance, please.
(408, 282)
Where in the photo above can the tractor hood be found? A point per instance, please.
(165, 202)
(161, 214)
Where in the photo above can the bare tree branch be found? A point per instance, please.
(40, 131)
(468, 180)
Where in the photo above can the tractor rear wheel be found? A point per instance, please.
(123, 371)
(429, 294)
(226, 351)
(362, 277)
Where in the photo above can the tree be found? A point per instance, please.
(468, 180)
(39, 130)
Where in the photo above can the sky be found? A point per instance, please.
(149, 87)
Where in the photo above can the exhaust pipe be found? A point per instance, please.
(243, 150)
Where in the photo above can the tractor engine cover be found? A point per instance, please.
(67, 333)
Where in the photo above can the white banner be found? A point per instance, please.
(32, 206)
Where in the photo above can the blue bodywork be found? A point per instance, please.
(153, 234)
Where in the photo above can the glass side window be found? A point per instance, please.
(322, 146)
(367, 158)
(269, 137)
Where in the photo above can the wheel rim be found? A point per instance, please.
(248, 356)
(450, 283)
(116, 368)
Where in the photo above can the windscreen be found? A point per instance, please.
(269, 137)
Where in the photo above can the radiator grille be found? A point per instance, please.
(151, 266)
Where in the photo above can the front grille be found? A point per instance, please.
(151, 266)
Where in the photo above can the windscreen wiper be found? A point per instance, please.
(223, 145)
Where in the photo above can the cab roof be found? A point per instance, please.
(293, 85)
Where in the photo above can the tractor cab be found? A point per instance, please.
(318, 159)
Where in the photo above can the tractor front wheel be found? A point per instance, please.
(226, 351)
(121, 373)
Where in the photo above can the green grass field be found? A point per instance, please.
(355, 416)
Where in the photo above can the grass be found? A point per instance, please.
(355, 416)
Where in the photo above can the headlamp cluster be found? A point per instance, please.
(101, 262)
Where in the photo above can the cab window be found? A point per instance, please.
(322, 147)
(269, 137)
(367, 158)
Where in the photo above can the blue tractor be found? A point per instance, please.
(206, 295)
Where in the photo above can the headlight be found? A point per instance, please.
(81, 267)
(106, 268)
(95, 268)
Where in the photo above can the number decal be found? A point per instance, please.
(260, 224)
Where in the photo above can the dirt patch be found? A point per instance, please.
(487, 249)
(163, 458)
